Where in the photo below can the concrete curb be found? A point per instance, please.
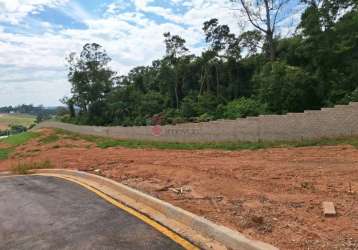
(7, 173)
(223, 235)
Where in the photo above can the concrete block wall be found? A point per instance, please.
(342, 120)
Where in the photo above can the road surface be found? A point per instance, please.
(38, 212)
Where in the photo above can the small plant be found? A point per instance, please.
(4, 153)
(24, 168)
(49, 139)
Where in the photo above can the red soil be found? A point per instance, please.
(273, 195)
(3, 127)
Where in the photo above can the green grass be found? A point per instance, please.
(24, 168)
(19, 139)
(16, 119)
(15, 141)
(4, 153)
(49, 139)
(103, 142)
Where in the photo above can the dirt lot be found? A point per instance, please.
(273, 195)
(3, 127)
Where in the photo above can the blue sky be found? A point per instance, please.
(36, 36)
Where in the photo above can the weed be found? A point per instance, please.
(103, 142)
(24, 168)
(4, 153)
(49, 139)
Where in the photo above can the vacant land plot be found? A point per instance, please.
(15, 119)
(270, 194)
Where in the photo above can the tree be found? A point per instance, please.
(265, 15)
(329, 47)
(285, 88)
(317, 66)
(91, 80)
(176, 55)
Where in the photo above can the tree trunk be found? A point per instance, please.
(269, 32)
(271, 46)
(217, 80)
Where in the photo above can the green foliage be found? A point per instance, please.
(14, 141)
(207, 104)
(4, 153)
(188, 106)
(49, 139)
(19, 139)
(243, 107)
(284, 88)
(354, 96)
(15, 129)
(103, 142)
(316, 67)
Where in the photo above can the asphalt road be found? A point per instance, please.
(38, 212)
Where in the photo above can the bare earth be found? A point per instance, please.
(3, 127)
(273, 195)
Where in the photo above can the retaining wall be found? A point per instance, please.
(342, 120)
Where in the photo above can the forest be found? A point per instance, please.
(237, 75)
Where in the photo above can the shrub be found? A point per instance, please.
(286, 88)
(243, 107)
(205, 118)
(207, 104)
(188, 106)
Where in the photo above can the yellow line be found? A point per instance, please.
(170, 234)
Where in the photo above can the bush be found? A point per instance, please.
(286, 88)
(170, 115)
(205, 118)
(354, 96)
(188, 106)
(207, 104)
(243, 107)
(16, 129)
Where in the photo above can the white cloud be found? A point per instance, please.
(14, 11)
(33, 63)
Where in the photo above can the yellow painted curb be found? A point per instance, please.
(170, 234)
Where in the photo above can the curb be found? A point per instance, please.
(166, 214)
(7, 173)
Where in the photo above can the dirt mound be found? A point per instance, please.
(273, 195)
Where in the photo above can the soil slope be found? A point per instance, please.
(273, 195)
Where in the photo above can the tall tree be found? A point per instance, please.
(91, 79)
(265, 15)
(176, 55)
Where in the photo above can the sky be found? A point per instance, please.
(37, 35)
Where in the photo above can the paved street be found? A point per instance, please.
(38, 212)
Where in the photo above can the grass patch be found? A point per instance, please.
(49, 139)
(103, 142)
(4, 153)
(15, 141)
(24, 168)
(19, 139)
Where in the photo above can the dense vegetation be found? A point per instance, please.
(253, 73)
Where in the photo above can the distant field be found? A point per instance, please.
(15, 119)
